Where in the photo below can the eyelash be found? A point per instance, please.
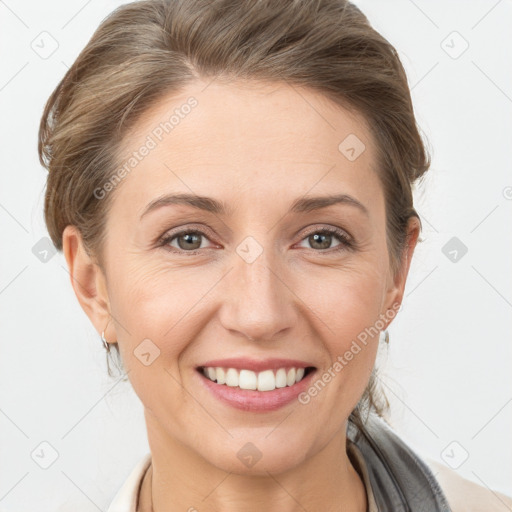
(346, 243)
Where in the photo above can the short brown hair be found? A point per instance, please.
(147, 49)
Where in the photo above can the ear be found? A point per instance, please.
(88, 282)
(397, 283)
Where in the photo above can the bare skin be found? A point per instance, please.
(257, 148)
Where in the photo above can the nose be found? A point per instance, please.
(258, 303)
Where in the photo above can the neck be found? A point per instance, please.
(179, 480)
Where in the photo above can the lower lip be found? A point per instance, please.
(257, 401)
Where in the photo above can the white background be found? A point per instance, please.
(448, 371)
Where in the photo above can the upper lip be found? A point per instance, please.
(256, 365)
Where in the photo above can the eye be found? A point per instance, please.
(187, 241)
(191, 240)
(321, 239)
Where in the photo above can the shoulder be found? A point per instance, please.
(463, 495)
(126, 497)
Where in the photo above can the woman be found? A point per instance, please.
(230, 183)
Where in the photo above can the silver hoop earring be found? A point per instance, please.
(105, 343)
(384, 335)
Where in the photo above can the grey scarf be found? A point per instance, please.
(400, 480)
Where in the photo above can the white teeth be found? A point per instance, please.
(290, 378)
(247, 380)
(267, 380)
(221, 376)
(232, 377)
(281, 378)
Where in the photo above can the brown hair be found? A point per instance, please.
(147, 49)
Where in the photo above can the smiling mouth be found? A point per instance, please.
(266, 380)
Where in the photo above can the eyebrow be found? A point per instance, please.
(301, 205)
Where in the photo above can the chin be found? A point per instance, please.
(257, 456)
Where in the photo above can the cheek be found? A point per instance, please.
(349, 309)
(347, 301)
(151, 298)
(162, 311)
(151, 304)
(169, 307)
(155, 309)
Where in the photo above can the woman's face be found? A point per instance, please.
(256, 280)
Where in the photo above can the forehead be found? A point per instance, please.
(253, 138)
